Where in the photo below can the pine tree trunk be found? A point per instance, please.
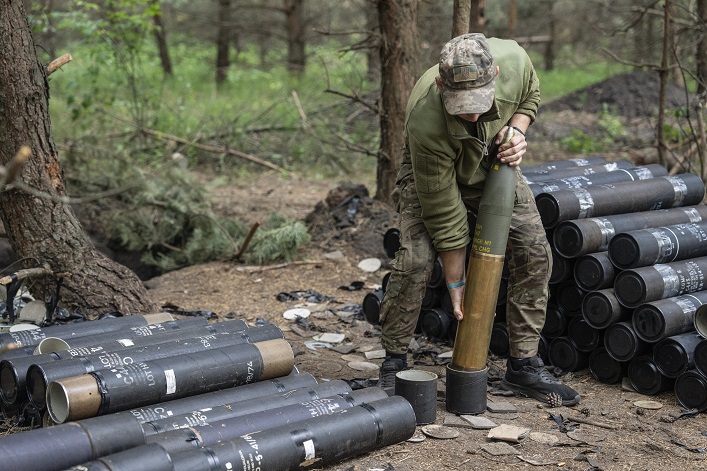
(296, 57)
(398, 52)
(41, 228)
(161, 40)
(223, 41)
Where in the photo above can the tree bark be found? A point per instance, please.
(664, 75)
(161, 39)
(461, 17)
(398, 52)
(40, 226)
(549, 55)
(701, 59)
(512, 18)
(223, 40)
(477, 19)
(296, 57)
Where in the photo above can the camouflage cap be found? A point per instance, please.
(467, 72)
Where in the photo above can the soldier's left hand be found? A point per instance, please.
(511, 152)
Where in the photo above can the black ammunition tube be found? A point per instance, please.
(564, 355)
(198, 415)
(437, 277)
(569, 297)
(65, 445)
(594, 271)
(178, 440)
(391, 241)
(40, 375)
(584, 337)
(701, 357)
(645, 284)
(601, 309)
(645, 378)
(499, 344)
(675, 355)
(13, 372)
(150, 457)
(555, 321)
(372, 306)
(55, 344)
(691, 390)
(626, 197)
(435, 323)
(622, 343)
(606, 369)
(562, 268)
(657, 320)
(555, 165)
(432, 298)
(582, 236)
(659, 245)
(146, 382)
(24, 338)
(325, 439)
(601, 178)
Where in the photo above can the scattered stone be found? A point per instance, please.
(508, 433)
(537, 460)
(417, 437)
(453, 420)
(362, 366)
(370, 265)
(440, 431)
(479, 422)
(545, 438)
(499, 449)
(375, 354)
(330, 338)
(501, 407)
(652, 405)
(314, 345)
(445, 355)
(296, 313)
(335, 255)
(345, 349)
(349, 357)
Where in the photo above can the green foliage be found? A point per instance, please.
(278, 239)
(611, 130)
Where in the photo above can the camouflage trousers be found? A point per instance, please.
(529, 260)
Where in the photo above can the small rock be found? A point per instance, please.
(479, 422)
(440, 431)
(501, 407)
(509, 433)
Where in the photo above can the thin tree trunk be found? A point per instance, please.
(512, 18)
(161, 39)
(549, 55)
(223, 41)
(41, 228)
(398, 52)
(373, 57)
(296, 57)
(701, 59)
(477, 19)
(461, 17)
(664, 74)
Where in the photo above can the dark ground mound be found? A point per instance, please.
(630, 95)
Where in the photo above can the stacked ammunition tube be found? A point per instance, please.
(629, 266)
(183, 394)
(628, 289)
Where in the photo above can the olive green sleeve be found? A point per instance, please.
(443, 212)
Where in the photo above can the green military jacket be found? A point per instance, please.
(445, 158)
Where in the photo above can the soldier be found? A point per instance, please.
(456, 111)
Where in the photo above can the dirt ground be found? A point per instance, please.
(606, 430)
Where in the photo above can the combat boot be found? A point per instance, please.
(390, 367)
(529, 377)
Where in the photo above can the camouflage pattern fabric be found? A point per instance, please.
(529, 261)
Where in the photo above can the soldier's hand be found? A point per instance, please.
(511, 152)
(457, 296)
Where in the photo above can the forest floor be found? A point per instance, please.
(609, 429)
